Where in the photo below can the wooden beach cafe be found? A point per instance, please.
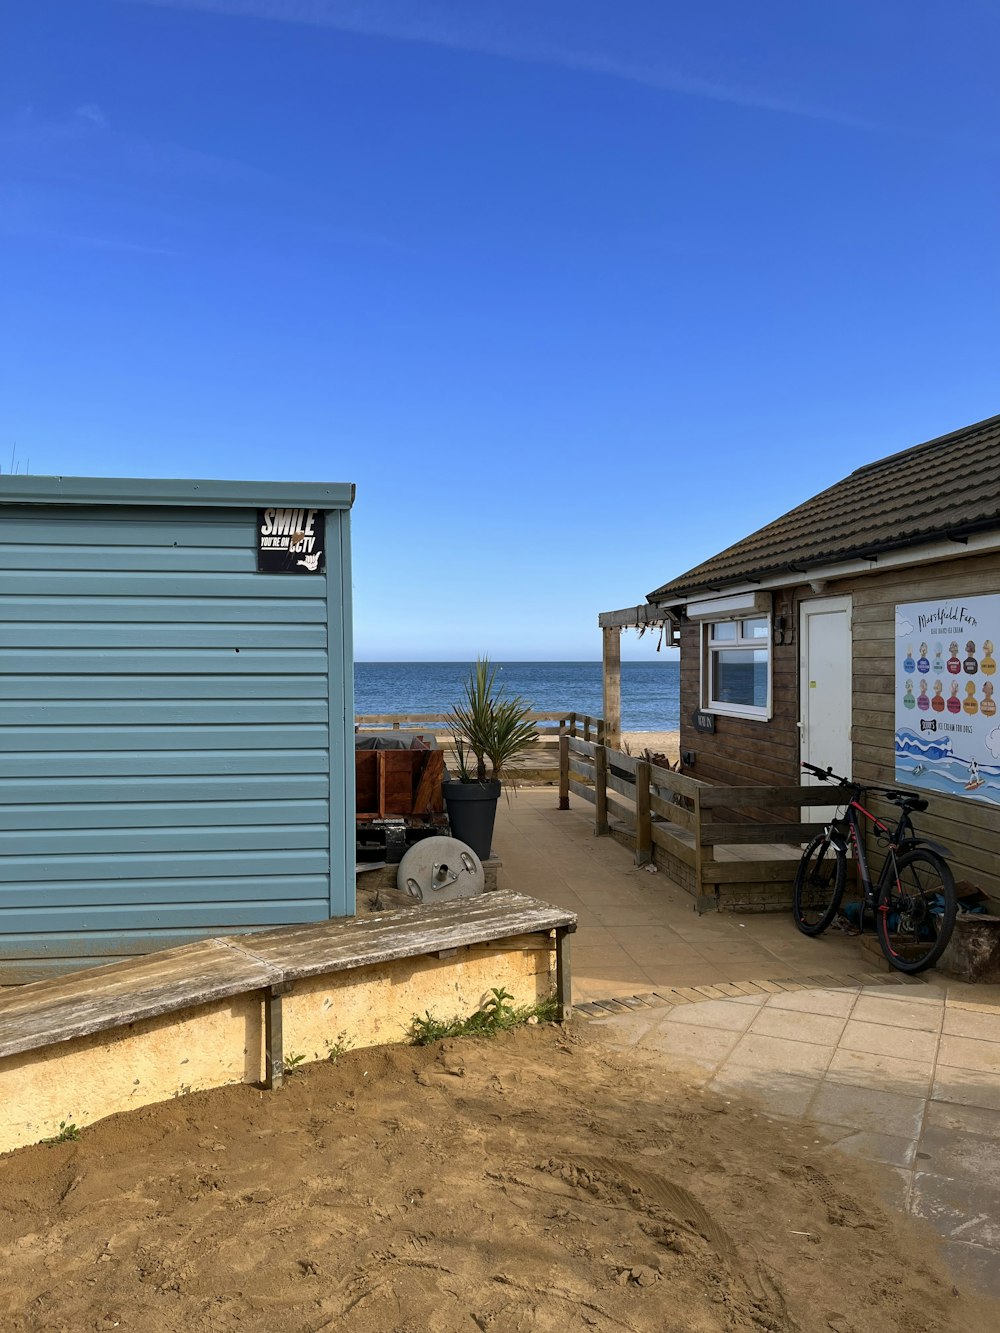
(858, 631)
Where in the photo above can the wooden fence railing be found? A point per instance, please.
(550, 726)
(691, 821)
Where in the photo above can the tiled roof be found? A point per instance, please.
(947, 487)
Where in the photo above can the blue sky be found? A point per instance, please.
(577, 293)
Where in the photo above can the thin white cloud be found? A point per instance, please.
(470, 28)
(91, 112)
(903, 625)
(114, 243)
(46, 147)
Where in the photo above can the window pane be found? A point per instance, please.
(724, 631)
(755, 629)
(739, 676)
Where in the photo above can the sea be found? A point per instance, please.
(650, 690)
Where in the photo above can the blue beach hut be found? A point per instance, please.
(176, 714)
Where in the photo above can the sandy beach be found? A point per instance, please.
(657, 742)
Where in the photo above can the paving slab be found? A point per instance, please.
(960, 1154)
(869, 1109)
(798, 1025)
(785, 1095)
(972, 1023)
(778, 1054)
(963, 1119)
(919, 1016)
(970, 1053)
(715, 1014)
(880, 1071)
(959, 1209)
(880, 1039)
(836, 1003)
(703, 1047)
(968, 1087)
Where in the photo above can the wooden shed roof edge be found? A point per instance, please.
(193, 492)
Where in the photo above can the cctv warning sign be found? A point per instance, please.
(291, 541)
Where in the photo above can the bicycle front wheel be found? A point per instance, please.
(916, 911)
(819, 885)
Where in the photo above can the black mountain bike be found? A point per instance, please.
(913, 900)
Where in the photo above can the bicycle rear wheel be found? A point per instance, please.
(819, 885)
(916, 912)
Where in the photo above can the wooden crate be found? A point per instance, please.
(397, 783)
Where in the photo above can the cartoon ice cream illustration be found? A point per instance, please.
(938, 659)
(937, 703)
(908, 662)
(908, 699)
(970, 666)
(986, 663)
(954, 661)
(970, 704)
(988, 707)
(954, 704)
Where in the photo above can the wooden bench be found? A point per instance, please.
(43, 1013)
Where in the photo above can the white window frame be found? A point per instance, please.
(709, 645)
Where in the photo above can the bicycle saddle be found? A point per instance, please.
(906, 800)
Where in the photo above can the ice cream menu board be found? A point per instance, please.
(947, 728)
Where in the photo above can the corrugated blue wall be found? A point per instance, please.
(166, 762)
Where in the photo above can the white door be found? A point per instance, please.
(825, 690)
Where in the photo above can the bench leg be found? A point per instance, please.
(564, 977)
(274, 1060)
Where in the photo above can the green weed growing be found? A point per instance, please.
(497, 1014)
(340, 1045)
(68, 1133)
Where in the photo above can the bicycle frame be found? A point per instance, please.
(902, 838)
(897, 840)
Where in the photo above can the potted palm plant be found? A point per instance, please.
(491, 730)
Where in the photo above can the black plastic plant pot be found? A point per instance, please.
(472, 812)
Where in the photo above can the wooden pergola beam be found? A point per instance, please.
(633, 617)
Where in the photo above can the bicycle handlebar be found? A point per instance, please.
(828, 775)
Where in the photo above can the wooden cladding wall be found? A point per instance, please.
(173, 728)
(970, 829)
(745, 752)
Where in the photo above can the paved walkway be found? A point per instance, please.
(639, 931)
(906, 1075)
